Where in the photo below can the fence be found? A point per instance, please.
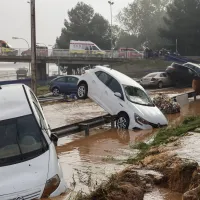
(67, 53)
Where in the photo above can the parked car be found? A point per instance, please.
(28, 160)
(183, 75)
(120, 96)
(64, 85)
(129, 53)
(40, 51)
(157, 79)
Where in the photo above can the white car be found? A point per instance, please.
(29, 168)
(120, 95)
(157, 79)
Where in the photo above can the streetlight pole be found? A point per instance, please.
(18, 38)
(111, 36)
(33, 49)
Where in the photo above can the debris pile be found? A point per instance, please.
(166, 105)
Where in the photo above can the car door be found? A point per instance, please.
(166, 79)
(112, 104)
(98, 86)
(72, 84)
(62, 84)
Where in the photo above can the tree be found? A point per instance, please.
(182, 23)
(86, 25)
(142, 19)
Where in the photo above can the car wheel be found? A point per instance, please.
(122, 121)
(82, 91)
(55, 91)
(160, 85)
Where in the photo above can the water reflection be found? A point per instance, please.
(88, 161)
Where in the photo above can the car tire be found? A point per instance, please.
(160, 85)
(122, 121)
(55, 91)
(82, 91)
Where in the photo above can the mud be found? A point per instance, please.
(71, 112)
(87, 162)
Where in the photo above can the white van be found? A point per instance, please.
(29, 168)
(84, 47)
(120, 95)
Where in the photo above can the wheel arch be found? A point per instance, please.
(123, 112)
(83, 82)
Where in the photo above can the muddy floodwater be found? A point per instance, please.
(87, 161)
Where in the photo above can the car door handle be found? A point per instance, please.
(93, 81)
(106, 92)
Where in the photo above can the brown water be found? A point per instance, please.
(86, 162)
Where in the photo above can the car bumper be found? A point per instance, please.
(149, 84)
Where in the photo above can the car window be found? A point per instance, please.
(150, 75)
(104, 77)
(98, 73)
(72, 80)
(164, 75)
(95, 48)
(21, 139)
(138, 96)
(114, 85)
(61, 79)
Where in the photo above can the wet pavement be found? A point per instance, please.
(86, 162)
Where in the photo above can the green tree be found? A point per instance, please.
(182, 23)
(142, 19)
(86, 25)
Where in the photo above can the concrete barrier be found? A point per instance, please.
(182, 99)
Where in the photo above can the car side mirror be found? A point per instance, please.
(54, 138)
(117, 94)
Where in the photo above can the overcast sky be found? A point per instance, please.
(50, 15)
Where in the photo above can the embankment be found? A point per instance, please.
(139, 68)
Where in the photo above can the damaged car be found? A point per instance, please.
(28, 161)
(120, 96)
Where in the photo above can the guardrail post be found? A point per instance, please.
(195, 96)
(87, 131)
(112, 123)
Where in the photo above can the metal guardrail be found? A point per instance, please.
(84, 126)
(66, 53)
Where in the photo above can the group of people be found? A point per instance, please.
(150, 53)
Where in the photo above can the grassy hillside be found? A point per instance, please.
(139, 68)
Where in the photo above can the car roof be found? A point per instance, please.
(196, 65)
(13, 101)
(122, 78)
(156, 73)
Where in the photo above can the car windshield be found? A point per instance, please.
(138, 96)
(21, 140)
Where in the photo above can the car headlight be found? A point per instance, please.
(140, 120)
(50, 186)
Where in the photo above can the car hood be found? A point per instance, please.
(150, 114)
(24, 176)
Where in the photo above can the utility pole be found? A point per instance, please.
(33, 49)
(111, 32)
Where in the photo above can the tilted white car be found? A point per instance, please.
(29, 168)
(120, 95)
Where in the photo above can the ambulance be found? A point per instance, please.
(6, 49)
(85, 47)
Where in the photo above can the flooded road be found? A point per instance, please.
(86, 162)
